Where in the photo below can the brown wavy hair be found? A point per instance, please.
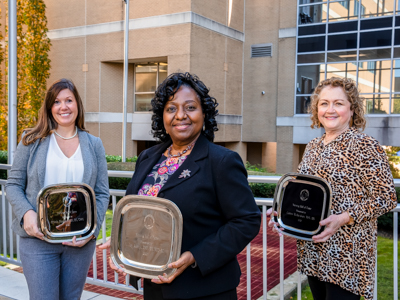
(46, 123)
(353, 96)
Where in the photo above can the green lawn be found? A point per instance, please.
(385, 272)
(109, 218)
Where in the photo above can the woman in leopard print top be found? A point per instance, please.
(340, 262)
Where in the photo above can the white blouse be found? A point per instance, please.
(61, 169)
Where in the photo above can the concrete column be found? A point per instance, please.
(134, 148)
(269, 156)
(287, 157)
(239, 147)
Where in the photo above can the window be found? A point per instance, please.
(345, 4)
(371, 66)
(147, 78)
(375, 78)
(340, 11)
(376, 8)
(360, 64)
(376, 104)
(312, 14)
(348, 70)
(357, 6)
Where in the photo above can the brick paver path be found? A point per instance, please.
(256, 268)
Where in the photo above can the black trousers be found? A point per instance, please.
(152, 291)
(328, 291)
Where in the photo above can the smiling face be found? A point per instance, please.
(183, 116)
(334, 111)
(65, 109)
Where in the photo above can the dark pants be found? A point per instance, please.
(152, 291)
(328, 291)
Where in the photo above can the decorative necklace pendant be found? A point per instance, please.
(185, 173)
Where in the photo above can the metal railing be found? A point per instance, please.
(10, 253)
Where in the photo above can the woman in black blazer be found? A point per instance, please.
(209, 185)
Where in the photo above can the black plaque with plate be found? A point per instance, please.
(66, 210)
(146, 235)
(301, 202)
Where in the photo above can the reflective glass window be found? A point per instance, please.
(381, 53)
(342, 56)
(376, 104)
(312, 29)
(396, 52)
(348, 70)
(342, 10)
(376, 38)
(375, 77)
(342, 41)
(143, 102)
(308, 77)
(357, 7)
(397, 37)
(311, 44)
(303, 104)
(311, 58)
(312, 13)
(311, 1)
(376, 23)
(376, 8)
(342, 26)
(396, 76)
(395, 107)
(162, 72)
(147, 78)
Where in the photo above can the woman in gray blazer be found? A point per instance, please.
(57, 150)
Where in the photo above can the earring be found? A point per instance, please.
(204, 127)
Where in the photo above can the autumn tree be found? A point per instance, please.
(33, 66)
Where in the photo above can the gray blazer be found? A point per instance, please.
(27, 174)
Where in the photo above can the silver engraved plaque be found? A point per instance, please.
(66, 210)
(146, 235)
(301, 202)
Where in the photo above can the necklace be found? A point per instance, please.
(68, 138)
(179, 154)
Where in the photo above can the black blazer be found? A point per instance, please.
(220, 216)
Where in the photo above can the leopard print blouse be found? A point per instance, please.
(356, 167)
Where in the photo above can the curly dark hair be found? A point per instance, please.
(167, 89)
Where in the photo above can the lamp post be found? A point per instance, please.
(12, 79)
(126, 47)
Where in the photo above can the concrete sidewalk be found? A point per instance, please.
(13, 286)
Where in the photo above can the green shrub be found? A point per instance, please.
(263, 190)
(3, 160)
(118, 158)
(118, 183)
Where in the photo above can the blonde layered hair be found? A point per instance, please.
(350, 89)
(46, 123)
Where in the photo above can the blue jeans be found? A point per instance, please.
(55, 271)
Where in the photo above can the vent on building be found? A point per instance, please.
(261, 50)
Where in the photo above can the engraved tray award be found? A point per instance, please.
(146, 235)
(66, 210)
(301, 202)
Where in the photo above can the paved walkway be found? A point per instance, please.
(13, 286)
